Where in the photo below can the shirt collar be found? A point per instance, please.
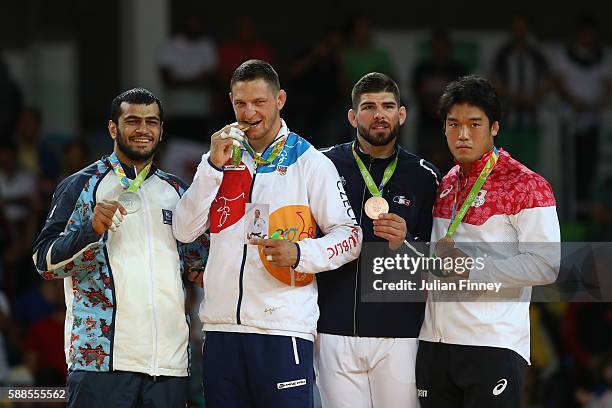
(363, 155)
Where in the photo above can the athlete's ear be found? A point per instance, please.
(112, 129)
(402, 115)
(281, 98)
(352, 118)
(495, 128)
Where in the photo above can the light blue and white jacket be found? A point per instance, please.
(124, 290)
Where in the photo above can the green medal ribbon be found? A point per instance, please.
(271, 157)
(367, 178)
(467, 203)
(236, 155)
(123, 179)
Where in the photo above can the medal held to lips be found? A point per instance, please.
(130, 201)
(375, 206)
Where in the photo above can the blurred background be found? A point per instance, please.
(62, 62)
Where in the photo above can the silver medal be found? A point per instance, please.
(130, 201)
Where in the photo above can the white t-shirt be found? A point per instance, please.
(186, 59)
(585, 83)
(20, 185)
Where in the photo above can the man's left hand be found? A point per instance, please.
(391, 227)
(445, 248)
(278, 252)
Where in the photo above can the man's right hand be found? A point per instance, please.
(221, 143)
(107, 214)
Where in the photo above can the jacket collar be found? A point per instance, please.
(129, 170)
(478, 165)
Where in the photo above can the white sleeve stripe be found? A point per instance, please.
(61, 264)
(422, 163)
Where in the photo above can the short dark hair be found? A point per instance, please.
(473, 90)
(253, 69)
(374, 82)
(138, 96)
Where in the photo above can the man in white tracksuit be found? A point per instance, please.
(260, 309)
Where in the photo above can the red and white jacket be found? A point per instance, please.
(514, 222)
(242, 291)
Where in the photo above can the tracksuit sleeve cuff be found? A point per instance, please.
(299, 253)
(213, 166)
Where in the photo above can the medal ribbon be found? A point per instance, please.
(367, 178)
(467, 203)
(271, 156)
(123, 179)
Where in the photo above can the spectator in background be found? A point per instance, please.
(587, 335)
(429, 78)
(75, 157)
(522, 76)
(315, 72)
(43, 347)
(33, 154)
(601, 396)
(188, 66)
(10, 101)
(361, 55)
(27, 137)
(584, 74)
(245, 43)
(18, 191)
(17, 187)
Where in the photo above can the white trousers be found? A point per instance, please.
(366, 372)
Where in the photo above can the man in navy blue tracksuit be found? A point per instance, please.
(365, 351)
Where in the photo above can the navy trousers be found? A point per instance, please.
(257, 370)
(121, 389)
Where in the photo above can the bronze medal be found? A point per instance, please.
(375, 206)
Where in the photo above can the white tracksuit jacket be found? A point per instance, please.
(242, 291)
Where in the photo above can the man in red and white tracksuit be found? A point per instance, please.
(474, 345)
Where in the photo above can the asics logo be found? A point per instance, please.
(445, 192)
(500, 387)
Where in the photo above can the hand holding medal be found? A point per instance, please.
(107, 215)
(227, 143)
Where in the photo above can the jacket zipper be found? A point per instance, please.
(357, 274)
(152, 280)
(244, 253)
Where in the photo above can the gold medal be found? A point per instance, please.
(375, 206)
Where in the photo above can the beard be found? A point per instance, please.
(379, 140)
(133, 154)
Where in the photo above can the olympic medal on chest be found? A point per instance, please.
(375, 206)
(130, 201)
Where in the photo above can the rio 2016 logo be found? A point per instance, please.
(294, 223)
